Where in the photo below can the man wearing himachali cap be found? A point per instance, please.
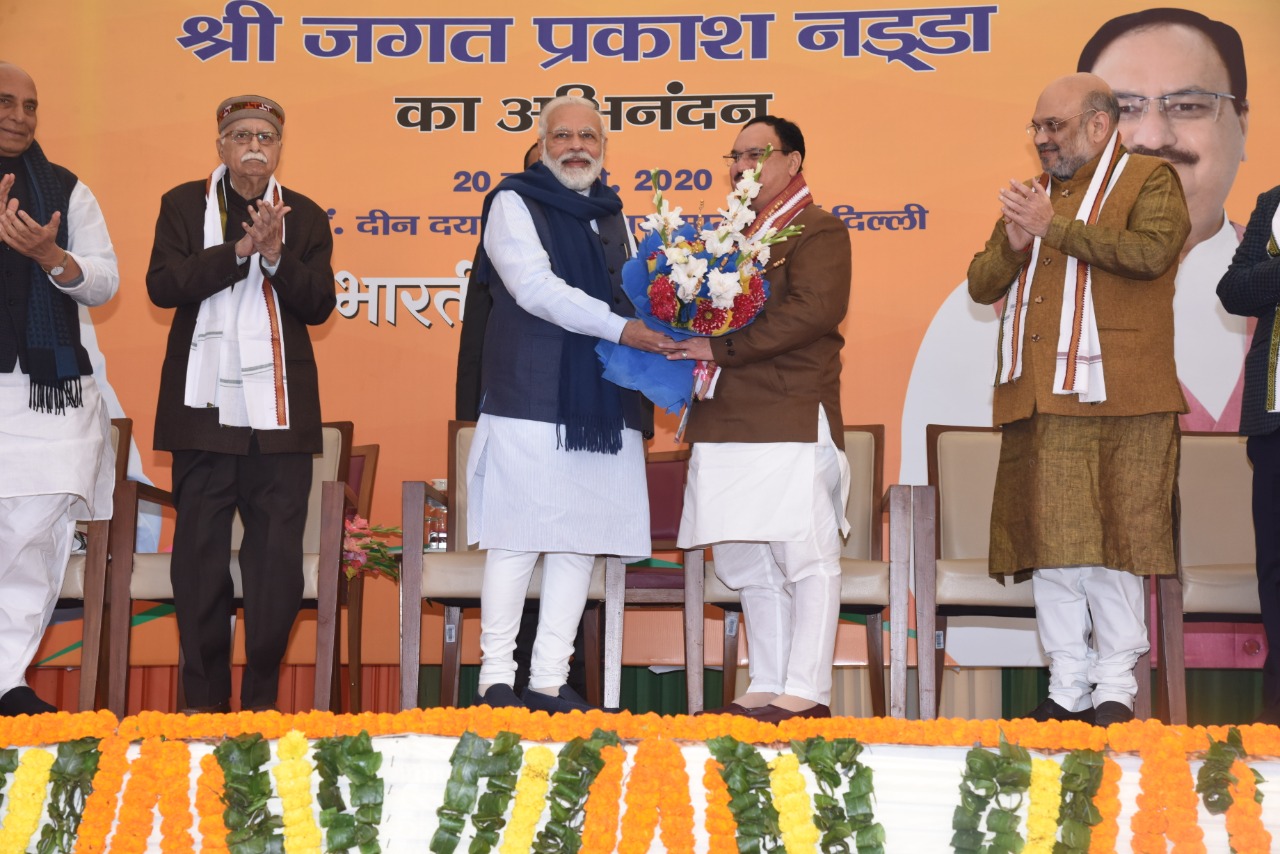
(246, 264)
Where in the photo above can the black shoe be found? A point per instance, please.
(1112, 712)
(566, 701)
(1051, 711)
(498, 696)
(1270, 716)
(23, 701)
(223, 708)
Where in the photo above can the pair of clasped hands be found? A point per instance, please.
(265, 234)
(636, 334)
(1027, 213)
(28, 237)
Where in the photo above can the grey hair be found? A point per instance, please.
(567, 101)
(1103, 101)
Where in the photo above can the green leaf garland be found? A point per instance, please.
(71, 779)
(1077, 814)
(353, 757)
(576, 769)
(1215, 774)
(833, 764)
(746, 774)
(997, 781)
(253, 828)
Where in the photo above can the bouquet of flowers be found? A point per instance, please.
(692, 280)
(363, 550)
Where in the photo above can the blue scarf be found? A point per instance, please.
(52, 366)
(589, 408)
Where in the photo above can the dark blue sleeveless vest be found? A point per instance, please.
(520, 370)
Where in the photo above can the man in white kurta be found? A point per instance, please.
(55, 463)
(557, 466)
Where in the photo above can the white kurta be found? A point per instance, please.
(525, 493)
(757, 491)
(42, 453)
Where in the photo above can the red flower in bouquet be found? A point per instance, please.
(662, 299)
(710, 320)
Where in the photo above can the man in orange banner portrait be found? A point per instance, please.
(246, 264)
(56, 465)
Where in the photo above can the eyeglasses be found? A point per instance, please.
(1177, 107)
(1053, 126)
(751, 155)
(587, 135)
(242, 137)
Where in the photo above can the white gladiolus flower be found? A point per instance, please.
(762, 256)
(720, 243)
(677, 254)
(749, 185)
(665, 218)
(688, 277)
(736, 218)
(723, 287)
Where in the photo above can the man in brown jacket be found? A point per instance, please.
(767, 481)
(1086, 392)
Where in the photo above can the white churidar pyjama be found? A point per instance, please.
(1080, 603)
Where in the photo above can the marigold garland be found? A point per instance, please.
(1107, 831)
(213, 830)
(1244, 817)
(531, 798)
(644, 793)
(795, 812)
(600, 830)
(293, 785)
(1167, 801)
(138, 801)
(107, 796)
(1042, 813)
(721, 828)
(26, 800)
(101, 805)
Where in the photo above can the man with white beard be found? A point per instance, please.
(557, 464)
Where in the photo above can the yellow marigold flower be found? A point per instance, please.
(26, 800)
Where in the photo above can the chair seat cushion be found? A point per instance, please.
(460, 575)
(862, 582)
(73, 581)
(1220, 589)
(966, 582)
(151, 576)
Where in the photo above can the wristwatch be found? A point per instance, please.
(58, 269)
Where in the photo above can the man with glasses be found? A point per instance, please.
(768, 481)
(56, 465)
(557, 464)
(246, 264)
(1084, 257)
(1201, 129)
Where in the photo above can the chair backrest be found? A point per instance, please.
(361, 474)
(118, 437)
(461, 434)
(864, 449)
(962, 467)
(666, 473)
(1215, 488)
(332, 463)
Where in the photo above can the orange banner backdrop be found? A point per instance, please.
(400, 120)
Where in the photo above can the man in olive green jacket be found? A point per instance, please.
(1086, 392)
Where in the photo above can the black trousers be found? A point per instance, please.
(1264, 453)
(270, 491)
